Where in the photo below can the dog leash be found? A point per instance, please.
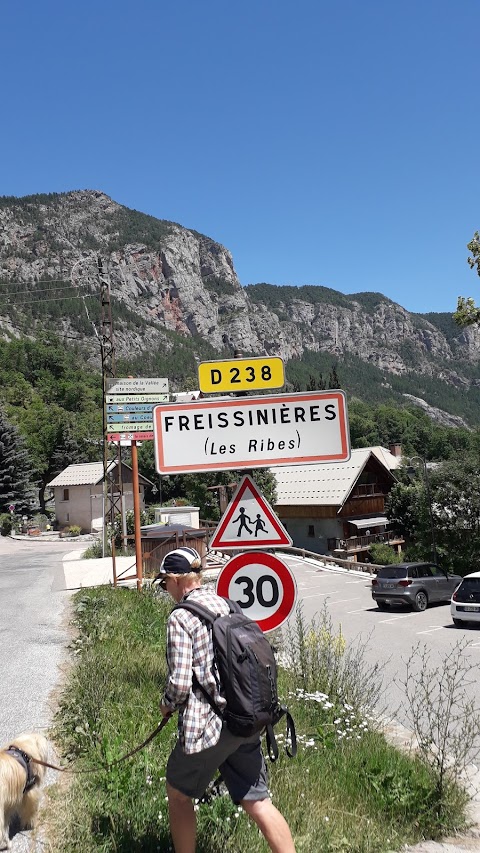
(147, 740)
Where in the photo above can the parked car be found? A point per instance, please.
(416, 584)
(465, 603)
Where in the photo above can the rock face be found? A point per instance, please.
(167, 279)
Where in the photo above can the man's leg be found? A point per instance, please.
(183, 824)
(271, 824)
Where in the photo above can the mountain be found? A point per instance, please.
(176, 299)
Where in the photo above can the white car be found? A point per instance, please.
(465, 602)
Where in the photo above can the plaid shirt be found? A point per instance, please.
(190, 649)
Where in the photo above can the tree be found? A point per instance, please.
(15, 468)
(333, 380)
(467, 312)
(454, 488)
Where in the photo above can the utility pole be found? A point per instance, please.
(112, 498)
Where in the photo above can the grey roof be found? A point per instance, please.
(86, 474)
(326, 484)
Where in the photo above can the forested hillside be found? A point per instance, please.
(53, 397)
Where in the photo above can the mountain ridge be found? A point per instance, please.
(175, 290)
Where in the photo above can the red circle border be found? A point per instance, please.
(276, 565)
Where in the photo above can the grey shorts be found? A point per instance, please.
(239, 760)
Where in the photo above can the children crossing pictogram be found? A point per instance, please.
(249, 522)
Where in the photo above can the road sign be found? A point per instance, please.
(133, 426)
(130, 436)
(241, 374)
(136, 398)
(249, 522)
(137, 385)
(130, 417)
(252, 432)
(263, 586)
(130, 404)
(132, 407)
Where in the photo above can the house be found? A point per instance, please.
(79, 494)
(338, 508)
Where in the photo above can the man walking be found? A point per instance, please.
(204, 744)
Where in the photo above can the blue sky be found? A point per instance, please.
(331, 143)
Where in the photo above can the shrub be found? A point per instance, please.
(382, 554)
(41, 521)
(74, 530)
(5, 523)
(95, 550)
(319, 659)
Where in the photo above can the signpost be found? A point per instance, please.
(129, 406)
(249, 522)
(252, 432)
(244, 374)
(263, 586)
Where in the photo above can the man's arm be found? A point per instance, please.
(179, 661)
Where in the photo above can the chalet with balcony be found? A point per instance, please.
(338, 508)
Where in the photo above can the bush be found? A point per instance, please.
(5, 523)
(95, 550)
(383, 555)
(319, 660)
(41, 521)
(74, 530)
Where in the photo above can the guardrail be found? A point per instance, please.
(350, 565)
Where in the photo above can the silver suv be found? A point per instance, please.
(416, 584)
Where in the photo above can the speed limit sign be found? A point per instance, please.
(262, 585)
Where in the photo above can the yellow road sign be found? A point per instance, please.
(241, 374)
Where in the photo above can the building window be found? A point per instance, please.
(311, 530)
(66, 495)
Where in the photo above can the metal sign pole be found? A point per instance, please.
(136, 514)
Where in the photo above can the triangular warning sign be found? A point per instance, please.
(249, 522)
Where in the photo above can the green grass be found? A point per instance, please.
(347, 791)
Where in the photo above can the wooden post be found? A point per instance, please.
(114, 563)
(136, 514)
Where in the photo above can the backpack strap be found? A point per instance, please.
(207, 616)
(291, 735)
(203, 612)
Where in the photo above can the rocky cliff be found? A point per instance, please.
(169, 281)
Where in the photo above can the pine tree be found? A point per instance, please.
(15, 486)
(333, 380)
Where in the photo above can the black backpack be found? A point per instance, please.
(247, 672)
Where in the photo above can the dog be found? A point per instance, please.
(20, 780)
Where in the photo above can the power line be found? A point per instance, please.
(49, 299)
(34, 292)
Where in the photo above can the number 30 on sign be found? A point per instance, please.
(262, 585)
(241, 374)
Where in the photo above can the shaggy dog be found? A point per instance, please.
(14, 778)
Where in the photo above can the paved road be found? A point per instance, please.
(392, 635)
(33, 637)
